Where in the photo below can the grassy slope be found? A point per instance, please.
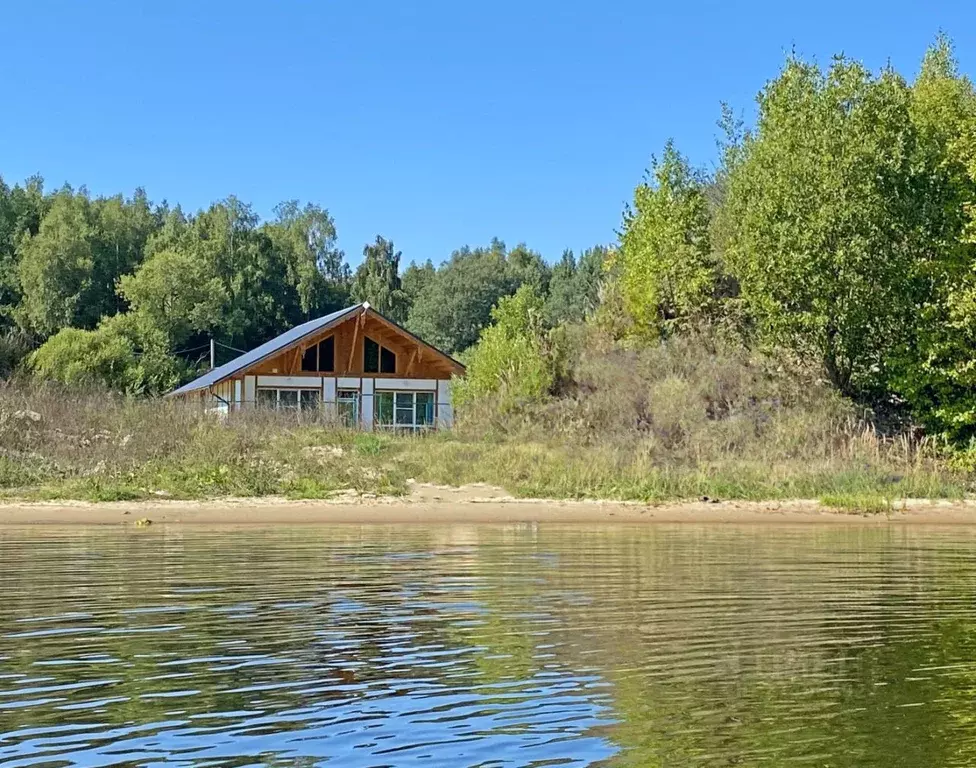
(56, 445)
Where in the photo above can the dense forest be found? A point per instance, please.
(837, 227)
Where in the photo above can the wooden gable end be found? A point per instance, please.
(414, 359)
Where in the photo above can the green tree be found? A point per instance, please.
(21, 210)
(56, 267)
(527, 267)
(120, 230)
(68, 269)
(936, 371)
(511, 359)
(822, 212)
(458, 300)
(238, 286)
(377, 280)
(122, 353)
(667, 271)
(305, 240)
(178, 293)
(574, 288)
(416, 280)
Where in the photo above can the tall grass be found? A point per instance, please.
(678, 420)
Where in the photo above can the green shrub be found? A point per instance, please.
(511, 362)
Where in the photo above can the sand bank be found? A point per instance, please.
(472, 504)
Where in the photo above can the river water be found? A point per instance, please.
(488, 646)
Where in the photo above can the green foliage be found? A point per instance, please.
(574, 288)
(221, 273)
(69, 267)
(459, 298)
(511, 360)
(305, 238)
(177, 292)
(377, 280)
(21, 210)
(825, 219)
(124, 354)
(15, 345)
(417, 279)
(56, 266)
(368, 444)
(936, 372)
(667, 272)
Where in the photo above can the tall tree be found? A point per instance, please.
(69, 268)
(305, 239)
(823, 212)
(56, 266)
(458, 302)
(668, 273)
(935, 371)
(21, 210)
(417, 279)
(377, 280)
(575, 286)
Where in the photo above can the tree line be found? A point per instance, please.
(124, 293)
(839, 226)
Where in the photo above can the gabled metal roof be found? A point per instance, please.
(267, 349)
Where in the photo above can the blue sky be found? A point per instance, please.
(432, 123)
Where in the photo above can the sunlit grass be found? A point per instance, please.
(763, 443)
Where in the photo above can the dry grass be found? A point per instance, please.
(680, 420)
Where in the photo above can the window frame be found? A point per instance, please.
(384, 355)
(394, 397)
(312, 357)
(298, 407)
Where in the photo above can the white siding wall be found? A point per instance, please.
(250, 391)
(410, 385)
(366, 401)
(304, 382)
(329, 394)
(445, 409)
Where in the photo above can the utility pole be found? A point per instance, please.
(213, 354)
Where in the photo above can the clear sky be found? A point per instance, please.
(434, 123)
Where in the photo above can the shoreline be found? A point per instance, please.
(429, 504)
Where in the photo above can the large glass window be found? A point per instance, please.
(384, 408)
(310, 360)
(289, 399)
(268, 398)
(404, 410)
(424, 409)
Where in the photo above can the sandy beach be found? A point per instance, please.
(472, 504)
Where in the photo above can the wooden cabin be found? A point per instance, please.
(356, 364)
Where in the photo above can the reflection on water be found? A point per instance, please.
(488, 646)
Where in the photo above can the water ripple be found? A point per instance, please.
(488, 646)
